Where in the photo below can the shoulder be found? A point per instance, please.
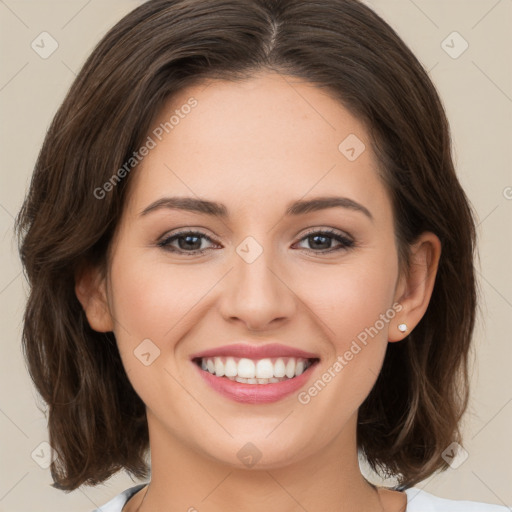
(117, 503)
(417, 501)
(422, 501)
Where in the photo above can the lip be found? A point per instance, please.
(256, 393)
(255, 352)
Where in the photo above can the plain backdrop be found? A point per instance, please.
(476, 88)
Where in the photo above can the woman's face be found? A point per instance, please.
(265, 276)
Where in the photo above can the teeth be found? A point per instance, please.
(279, 368)
(253, 381)
(262, 371)
(218, 367)
(290, 368)
(230, 369)
(246, 369)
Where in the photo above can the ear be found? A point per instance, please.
(415, 285)
(90, 289)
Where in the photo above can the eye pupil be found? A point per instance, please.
(315, 239)
(188, 243)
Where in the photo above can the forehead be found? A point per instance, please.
(270, 136)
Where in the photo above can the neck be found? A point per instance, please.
(183, 479)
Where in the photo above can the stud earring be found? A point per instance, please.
(402, 327)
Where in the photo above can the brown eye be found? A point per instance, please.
(320, 241)
(189, 242)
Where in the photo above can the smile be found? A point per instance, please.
(255, 381)
(262, 371)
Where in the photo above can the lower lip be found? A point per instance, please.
(255, 393)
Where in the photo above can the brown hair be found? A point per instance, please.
(96, 421)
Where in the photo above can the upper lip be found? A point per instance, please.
(255, 351)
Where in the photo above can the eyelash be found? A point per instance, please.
(347, 243)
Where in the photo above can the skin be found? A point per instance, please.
(255, 146)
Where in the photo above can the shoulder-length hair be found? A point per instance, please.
(96, 421)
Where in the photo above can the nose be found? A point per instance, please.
(258, 293)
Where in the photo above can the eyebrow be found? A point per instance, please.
(215, 209)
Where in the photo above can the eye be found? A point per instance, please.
(322, 240)
(189, 242)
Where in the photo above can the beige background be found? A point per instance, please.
(476, 89)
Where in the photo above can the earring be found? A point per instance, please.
(402, 327)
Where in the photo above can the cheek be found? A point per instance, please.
(150, 299)
(351, 298)
(155, 302)
(153, 307)
(357, 310)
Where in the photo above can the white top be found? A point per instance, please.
(417, 501)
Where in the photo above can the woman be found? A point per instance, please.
(259, 260)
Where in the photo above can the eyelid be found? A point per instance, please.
(182, 232)
(309, 231)
(333, 231)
